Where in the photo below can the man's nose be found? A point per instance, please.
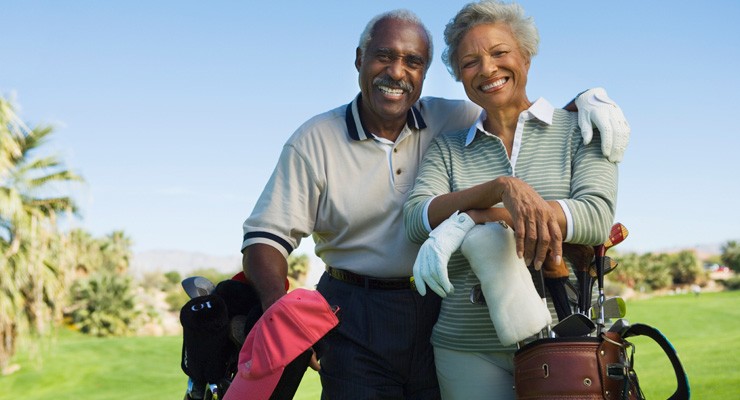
(396, 69)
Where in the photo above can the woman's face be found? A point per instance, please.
(493, 69)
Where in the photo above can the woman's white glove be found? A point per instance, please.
(596, 109)
(430, 267)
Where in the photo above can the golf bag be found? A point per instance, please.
(589, 367)
(215, 327)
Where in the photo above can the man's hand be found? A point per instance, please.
(430, 267)
(314, 362)
(596, 109)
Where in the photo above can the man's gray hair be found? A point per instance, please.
(489, 12)
(402, 15)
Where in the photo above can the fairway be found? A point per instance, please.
(702, 328)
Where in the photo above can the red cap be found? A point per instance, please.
(288, 328)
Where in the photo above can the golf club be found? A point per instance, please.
(559, 296)
(555, 276)
(196, 286)
(609, 266)
(617, 234)
(580, 257)
(540, 286)
(196, 390)
(620, 326)
(574, 325)
(614, 307)
(476, 295)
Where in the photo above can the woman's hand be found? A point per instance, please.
(535, 223)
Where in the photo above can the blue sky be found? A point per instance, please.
(175, 111)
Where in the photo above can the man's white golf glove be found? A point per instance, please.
(596, 109)
(430, 267)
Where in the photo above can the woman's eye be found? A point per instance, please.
(471, 63)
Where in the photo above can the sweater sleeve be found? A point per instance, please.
(432, 180)
(593, 198)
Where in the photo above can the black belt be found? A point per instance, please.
(371, 283)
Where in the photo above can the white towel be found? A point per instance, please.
(515, 307)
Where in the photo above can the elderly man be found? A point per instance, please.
(343, 177)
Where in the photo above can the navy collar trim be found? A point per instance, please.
(357, 130)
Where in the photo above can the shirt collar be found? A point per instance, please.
(541, 109)
(357, 130)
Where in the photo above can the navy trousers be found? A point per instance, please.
(381, 348)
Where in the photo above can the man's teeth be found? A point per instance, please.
(392, 91)
(492, 85)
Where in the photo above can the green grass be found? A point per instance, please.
(704, 330)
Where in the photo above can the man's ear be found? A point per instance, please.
(358, 59)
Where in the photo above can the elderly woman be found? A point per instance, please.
(522, 163)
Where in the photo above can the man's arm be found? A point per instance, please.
(267, 270)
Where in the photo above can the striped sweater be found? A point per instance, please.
(549, 157)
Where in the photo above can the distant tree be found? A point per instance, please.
(685, 268)
(298, 266)
(31, 288)
(731, 255)
(116, 251)
(105, 305)
(173, 277)
(642, 271)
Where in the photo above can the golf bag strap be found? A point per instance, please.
(682, 391)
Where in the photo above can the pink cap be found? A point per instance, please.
(288, 328)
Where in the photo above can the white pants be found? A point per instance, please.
(466, 375)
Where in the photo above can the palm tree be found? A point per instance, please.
(30, 290)
(116, 250)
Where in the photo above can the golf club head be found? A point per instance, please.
(614, 307)
(196, 286)
(620, 326)
(574, 325)
(476, 296)
(609, 266)
(579, 256)
(617, 234)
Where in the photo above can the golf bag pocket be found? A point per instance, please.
(588, 367)
(207, 351)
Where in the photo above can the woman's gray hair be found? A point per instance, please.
(489, 12)
(402, 15)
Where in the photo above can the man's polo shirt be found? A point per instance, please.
(334, 180)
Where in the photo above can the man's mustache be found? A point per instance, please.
(392, 83)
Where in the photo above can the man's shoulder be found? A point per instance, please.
(324, 123)
(447, 115)
(441, 103)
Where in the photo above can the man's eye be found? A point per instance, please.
(383, 57)
(414, 62)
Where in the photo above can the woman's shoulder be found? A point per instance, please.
(565, 118)
(454, 138)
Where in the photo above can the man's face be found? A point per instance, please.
(392, 70)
